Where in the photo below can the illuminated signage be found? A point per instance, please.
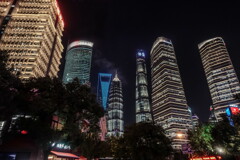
(234, 110)
(208, 158)
(80, 43)
(228, 112)
(61, 146)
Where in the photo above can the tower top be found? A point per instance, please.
(140, 54)
(200, 45)
(116, 77)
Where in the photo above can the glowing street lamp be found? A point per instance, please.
(220, 150)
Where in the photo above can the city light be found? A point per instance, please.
(80, 43)
(180, 135)
(220, 150)
(24, 132)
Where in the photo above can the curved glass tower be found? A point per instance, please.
(143, 111)
(115, 108)
(221, 76)
(78, 62)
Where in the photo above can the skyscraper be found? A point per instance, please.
(221, 77)
(143, 111)
(30, 34)
(169, 104)
(115, 108)
(78, 62)
(104, 81)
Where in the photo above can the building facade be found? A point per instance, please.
(169, 105)
(78, 62)
(30, 33)
(104, 81)
(195, 121)
(115, 124)
(143, 110)
(221, 77)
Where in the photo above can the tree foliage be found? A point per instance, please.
(211, 138)
(201, 140)
(41, 98)
(142, 141)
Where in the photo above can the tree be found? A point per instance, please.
(226, 137)
(145, 141)
(92, 147)
(201, 140)
(41, 98)
(219, 138)
(8, 92)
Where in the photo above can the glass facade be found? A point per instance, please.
(143, 110)
(31, 34)
(221, 77)
(115, 109)
(104, 81)
(169, 105)
(78, 62)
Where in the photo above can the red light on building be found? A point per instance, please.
(59, 12)
(234, 110)
(24, 132)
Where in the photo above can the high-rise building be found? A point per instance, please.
(195, 121)
(212, 117)
(143, 110)
(115, 108)
(104, 81)
(169, 105)
(78, 62)
(30, 33)
(221, 77)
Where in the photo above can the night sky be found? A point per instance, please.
(119, 27)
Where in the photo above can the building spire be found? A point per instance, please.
(116, 77)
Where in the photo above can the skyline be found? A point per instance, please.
(118, 30)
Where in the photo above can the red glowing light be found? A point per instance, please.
(24, 132)
(63, 154)
(234, 110)
(59, 12)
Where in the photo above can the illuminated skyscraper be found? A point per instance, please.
(143, 111)
(31, 34)
(104, 81)
(115, 108)
(169, 104)
(78, 62)
(221, 77)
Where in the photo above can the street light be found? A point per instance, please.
(220, 150)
